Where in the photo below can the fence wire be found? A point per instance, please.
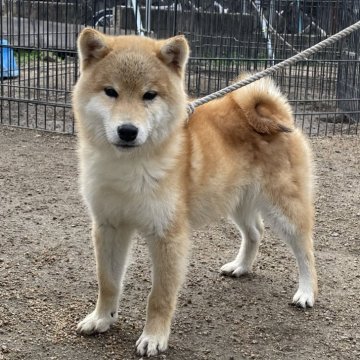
(39, 64)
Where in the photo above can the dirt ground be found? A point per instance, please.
(48, 280)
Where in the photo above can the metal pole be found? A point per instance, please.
(264, 29)
(148, 17)
(139, 27)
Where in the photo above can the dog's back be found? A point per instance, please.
(244, 142)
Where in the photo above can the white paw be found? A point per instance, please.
(304, 298)
(96, 323)
(234, 269)
(151, 345)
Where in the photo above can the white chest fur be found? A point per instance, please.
(127, 190)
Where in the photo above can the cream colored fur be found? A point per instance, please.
(239, 156)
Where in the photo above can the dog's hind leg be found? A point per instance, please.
(292, 218)
(111, 250)
(251, 227)
(169, 258)
(302, 247)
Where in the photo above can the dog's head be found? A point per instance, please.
(130, 91)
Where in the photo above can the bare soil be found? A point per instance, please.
(48, 280)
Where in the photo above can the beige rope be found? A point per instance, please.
(301, 56)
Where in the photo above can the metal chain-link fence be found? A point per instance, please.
(39, 65)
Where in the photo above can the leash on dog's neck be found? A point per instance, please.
(272, 69)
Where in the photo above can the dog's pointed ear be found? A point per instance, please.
(92, 46)
(174, 52)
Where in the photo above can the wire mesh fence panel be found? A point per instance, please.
(39, 64)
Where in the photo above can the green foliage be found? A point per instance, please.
(24, 57)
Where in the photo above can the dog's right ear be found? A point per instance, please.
(92, 46)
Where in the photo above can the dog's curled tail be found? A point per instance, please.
(266, 109)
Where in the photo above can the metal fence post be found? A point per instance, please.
(148, 17)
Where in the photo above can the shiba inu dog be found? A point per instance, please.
(145, 168)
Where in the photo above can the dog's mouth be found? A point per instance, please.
(124, 146)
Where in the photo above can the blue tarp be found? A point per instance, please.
(8, 66)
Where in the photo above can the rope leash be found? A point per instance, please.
(281, 65)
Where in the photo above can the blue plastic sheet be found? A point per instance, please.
(8, 66)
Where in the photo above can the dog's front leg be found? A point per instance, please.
(169, 257)
(111, 250)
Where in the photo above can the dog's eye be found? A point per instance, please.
(150, 95)
(111, 92)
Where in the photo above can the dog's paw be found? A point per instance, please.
(234, 269)
(304, 298)
(151, 345)
(96, 323)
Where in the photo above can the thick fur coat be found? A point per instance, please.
(145, 167)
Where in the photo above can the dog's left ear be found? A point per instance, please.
(174, 52)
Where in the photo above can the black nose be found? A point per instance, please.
(127, 132)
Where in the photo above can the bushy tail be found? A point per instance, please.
(266, 109)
